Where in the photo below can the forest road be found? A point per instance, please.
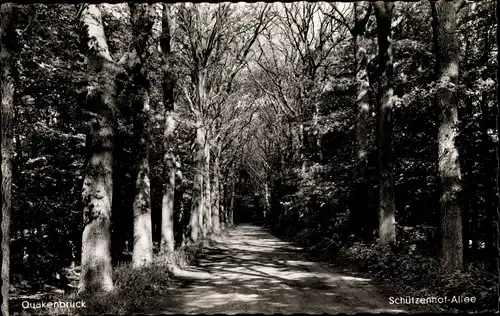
(252, 271)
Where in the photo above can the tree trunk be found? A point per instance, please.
(199, 107)
(317, 130)
(167, 218)
(223, 207)
(195, 221)
(98, 182)
(267, 200)
(207, 199)
(296, 151)
(201, 213)
(447, 47)
(142, 254)
(230, 211)
(216, 195)
(97, 196)
(360, 193)
(8, 90)
(387, 208)
(362, 100)
(302, 150)
(143, 240)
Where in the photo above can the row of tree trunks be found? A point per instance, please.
(7, 89)
(98, 182)
(387, 208)
(208, 215)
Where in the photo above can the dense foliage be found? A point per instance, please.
(279, 109)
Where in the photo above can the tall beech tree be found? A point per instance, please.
(167, 208)
(98, 182)
(360, 12)
(142, 18)
(387, 207)
(444, 15)
(360, 16)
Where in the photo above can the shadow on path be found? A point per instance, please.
(251, 271)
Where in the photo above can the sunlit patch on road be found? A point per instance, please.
(251, 271)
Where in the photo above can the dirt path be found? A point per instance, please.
(251, 271)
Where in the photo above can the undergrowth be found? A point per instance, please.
(133, 287)
(408, 271)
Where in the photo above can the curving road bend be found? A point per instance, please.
(252, 271)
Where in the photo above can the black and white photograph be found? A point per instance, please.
(237, 158)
